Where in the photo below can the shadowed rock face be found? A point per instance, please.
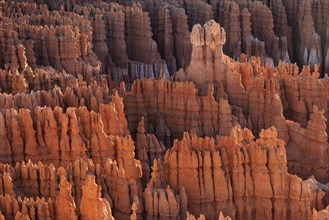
(164, 109)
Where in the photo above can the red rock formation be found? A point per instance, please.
(99, 40)
(308, 45)
(165, 39)
(207, 44)
(262, 27)
(246, 31)
(202, 217)
(161, 202)
(116, 37)
(173, 36)
(309, 141)
(206, 164)
(91, 195)
(34, 80)
(199, 113)
(140, 45)
(229, 17)
(297, 92)
(321, 25)
(69, 128)
(66, 135)
(47, 39)
(261, 99)
(281, 27)
(198, 12)
(326, 62)
(65, 205)
(89, 96)
(29, 45)
(148, 149)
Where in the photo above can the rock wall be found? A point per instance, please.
(60, 137)
(232, 165)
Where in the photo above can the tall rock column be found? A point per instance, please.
(308, 45)
(207, 52)
(116, 37)
(165, 39)
(92, 206)
(230, 19)
(99, 40)
(64, 204)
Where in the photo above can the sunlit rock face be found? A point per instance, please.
(164, 109)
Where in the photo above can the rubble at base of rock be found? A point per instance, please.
(175, 109)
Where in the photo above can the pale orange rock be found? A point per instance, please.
(72, 136)
(65, 205)
(314, 138)
(133, 216)
(207, 46)
(270, 187)
(161, 202)
(8, 184)
(21, 56)
(34, 79)
(91, 195)
(149, 149)
(202, 217)
(178, 121)
(50, 133)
